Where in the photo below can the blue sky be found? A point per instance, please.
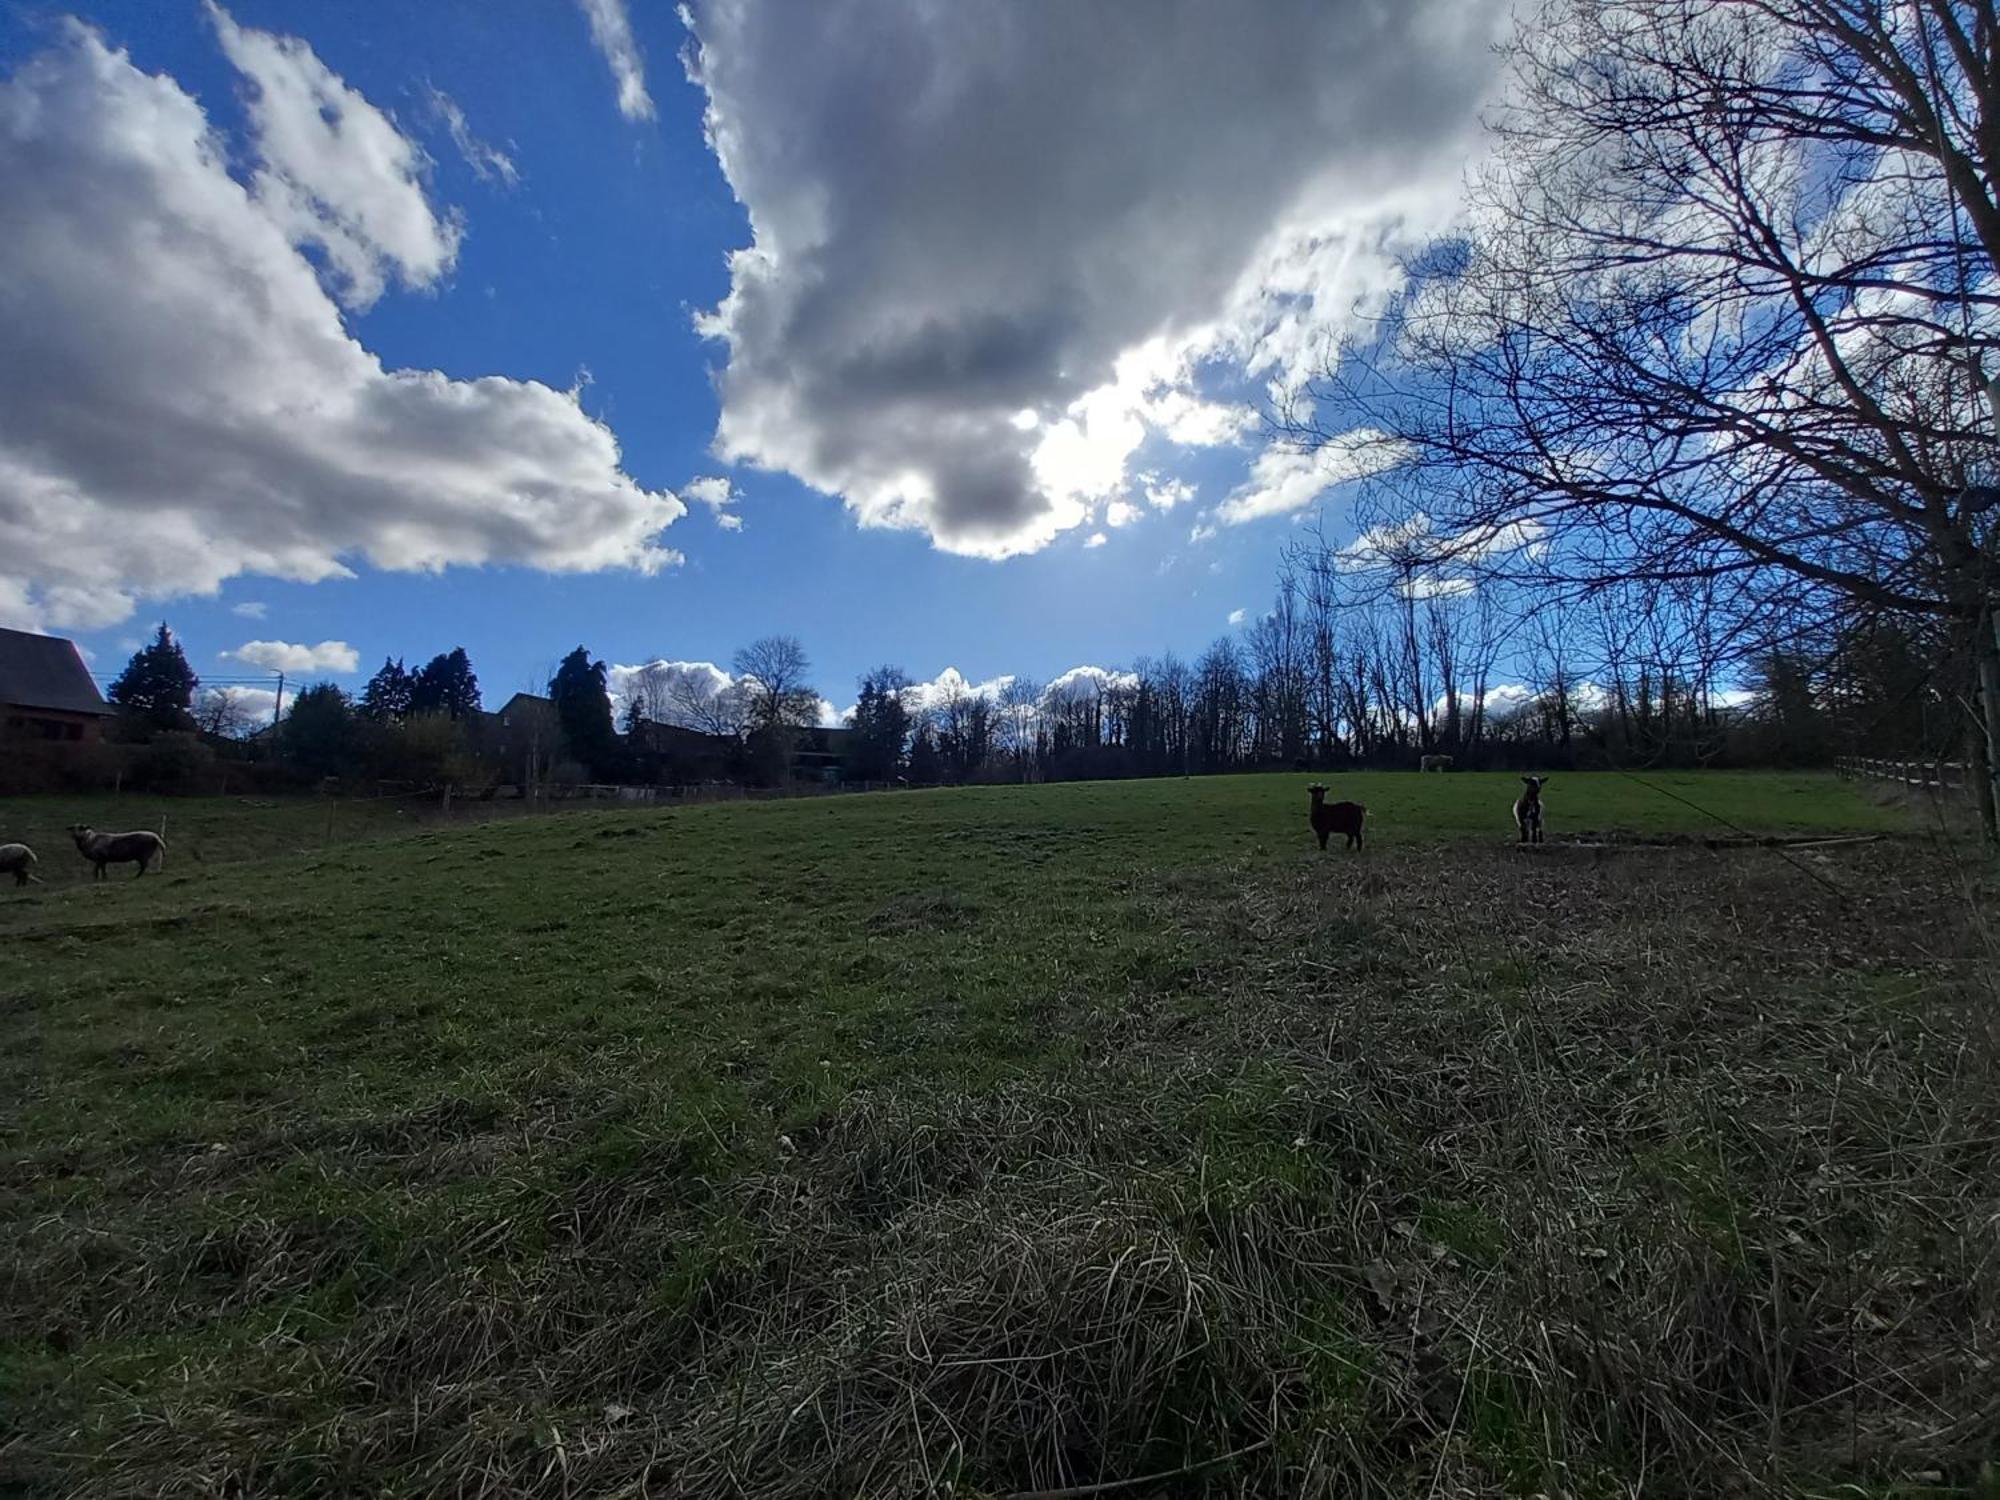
(970, 230)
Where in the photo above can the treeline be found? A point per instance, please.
(1357, 663)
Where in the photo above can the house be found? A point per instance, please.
(45, 691)
(672, 755)
(523, 738)
(820, 754)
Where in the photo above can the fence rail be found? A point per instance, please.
(1943, 775)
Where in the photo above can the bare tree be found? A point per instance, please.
(1020, 717)
(773, 672)
(1721, 316)
(219, 712)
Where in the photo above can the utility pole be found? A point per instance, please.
(278, 708)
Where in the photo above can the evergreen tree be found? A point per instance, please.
(157, 685)
(445, 684)
(881, 726)
(318, 734)
(390, 693)
(584, 709)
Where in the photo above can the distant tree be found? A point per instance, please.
(584, 709)
(221, 715)
(156, 688)
(427, 749)
(771, 674)
(391, 693)
(445, 684)
(1020, 713)
(926, 765)
(774, 672)
(880, 726)
(318, 734)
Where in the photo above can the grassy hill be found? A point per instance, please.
(1001, 1139)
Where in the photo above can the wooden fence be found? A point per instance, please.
(1939, 775)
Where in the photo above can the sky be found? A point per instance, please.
(941, 333)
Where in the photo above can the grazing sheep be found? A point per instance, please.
(140, 848)
(1528, 809)
(18, 860)
(1434, 763)
(1339, 817)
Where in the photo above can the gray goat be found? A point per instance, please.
(140, 848)
(18, 860)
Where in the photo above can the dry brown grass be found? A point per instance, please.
(1450, 1174)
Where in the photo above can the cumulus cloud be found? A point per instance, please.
(1000, 252)
(181, 403)
(1238, 616)
(1087, 680)
(257, 705)
(611, 32)
(1096, 539)
(693, 694)
(250, 609)
(951, 684)
(335, 171)
(718, 495)
(283, 656)
(488, 162)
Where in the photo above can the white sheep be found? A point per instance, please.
(18, 860)
(140, 848)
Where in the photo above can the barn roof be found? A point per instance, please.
(45, 671)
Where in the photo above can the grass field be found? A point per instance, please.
(998, 1139)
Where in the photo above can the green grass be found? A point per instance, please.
(1020, 1135)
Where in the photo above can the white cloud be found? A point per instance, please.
(718, 495)
(250, 609)
(1238, 616)
(705, 675)
(488, 162)
(685, 683)
(283, 656)
(1199, 533)
(923, 697)
(998, 251)
(1165, 494)
(1087, 680)
(1120, 513)
(1286, 478)
(181, 404)
(334, 171)
(611, 32)
(256, 704)
(711, 490)
(1095, 539)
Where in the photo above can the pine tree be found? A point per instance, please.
(390, 693)
(445, 684)
(318, 732)
(881, 725)
(584, 710)
(157, 685)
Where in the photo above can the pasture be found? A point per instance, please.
(1004, 1139)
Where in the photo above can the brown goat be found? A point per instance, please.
(1528, 809)
(1337, 817)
